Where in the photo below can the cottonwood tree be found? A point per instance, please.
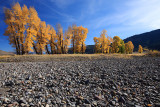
(22, 23)
(80, 44)
(32, 26)
(97, 45)
(116, 44)
(53, 39)
(42, 38)
(67, 39)
(21, 17)
(140, 49)
(74, 37)
(59, 39)
(129, 47)
(11, 29)
(122, 47)
(78, 39)
(16, 19)
(103, 43)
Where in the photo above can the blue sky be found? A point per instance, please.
(123, 18)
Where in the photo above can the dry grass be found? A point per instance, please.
(5, 56)
(153, 53)
(63, 57)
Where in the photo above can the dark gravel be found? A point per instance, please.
(110, 82)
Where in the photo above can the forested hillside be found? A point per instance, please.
(150, 40)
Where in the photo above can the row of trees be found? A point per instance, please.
(105, 44)
(27, 33)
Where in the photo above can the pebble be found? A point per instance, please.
(94, 103)
(47, 105)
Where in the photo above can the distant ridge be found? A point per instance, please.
(89, 49)
(150, 40)
(5, 53)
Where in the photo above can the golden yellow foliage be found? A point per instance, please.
(59, 39)
(129, 47)
(42, 37)
(16, 21)
(78, 39)
(103, 43)
(27, 33)
(67, 39)
(33, 24)
(116, 44)
(53, 38)
(140, 49)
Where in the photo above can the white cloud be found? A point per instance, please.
(63, 3)
(145, 13)
(137, 13)
(93, 6)
(68, 18)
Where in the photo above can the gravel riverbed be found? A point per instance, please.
(108, 82)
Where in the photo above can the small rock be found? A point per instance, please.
(121, 100)
(47, 105)
(125, 95)
(40, 76)
(30, 100)
(87, 105)
(49, 101)
(113, 102)
(130, 104)
(56, 90)
(80, 97)
(137, 106)
(63, 101)
(22, 100)
(157, 104)
(149, 105)
(9, 83)
(98, 97)
(10, 105)
(86, 101)
(113, 93)
(6, 100)
(29, 77)
(22, 104)
(58, 100)
(94, 103)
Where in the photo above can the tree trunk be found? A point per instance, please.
(47, 49)
(73, 46)
(23, 52)
(56, 51)
(51, 49)
(62, 51)
(35, 49)
(15, 41)
(82, 47)
(18, 44)
(16, 47)
(51, 45)
(21, 41)
(41, 52)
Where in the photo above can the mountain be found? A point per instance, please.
(89, 49)
(150, 40)
(5, 53)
